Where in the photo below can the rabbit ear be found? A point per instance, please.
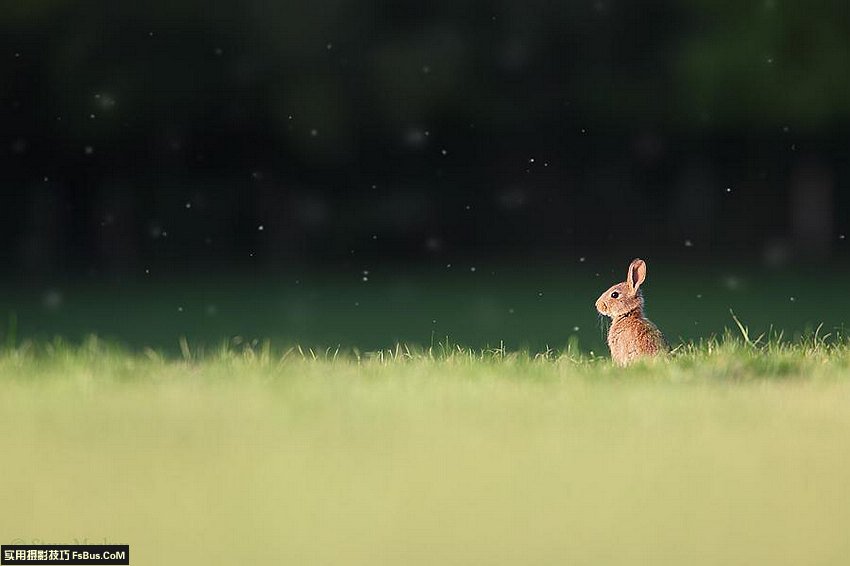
(637, 274)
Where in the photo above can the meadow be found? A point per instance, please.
(728, 453)
(195, 430)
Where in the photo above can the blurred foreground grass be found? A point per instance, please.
(726, 454)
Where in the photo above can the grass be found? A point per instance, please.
(731, 452)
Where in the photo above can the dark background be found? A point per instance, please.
(159, 160)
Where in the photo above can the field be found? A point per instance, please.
(729, 453)
(195, 431)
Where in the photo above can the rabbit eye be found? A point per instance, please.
(615, 294)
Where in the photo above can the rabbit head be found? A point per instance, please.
(624, 297)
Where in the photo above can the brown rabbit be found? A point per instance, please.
(631, 335)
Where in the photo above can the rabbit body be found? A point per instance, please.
(632, 336)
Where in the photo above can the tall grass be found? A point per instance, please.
(731, 356)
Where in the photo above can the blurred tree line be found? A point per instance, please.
(194, 133)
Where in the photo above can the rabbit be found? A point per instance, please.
(631, 335)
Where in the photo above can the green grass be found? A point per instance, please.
(727, 453)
